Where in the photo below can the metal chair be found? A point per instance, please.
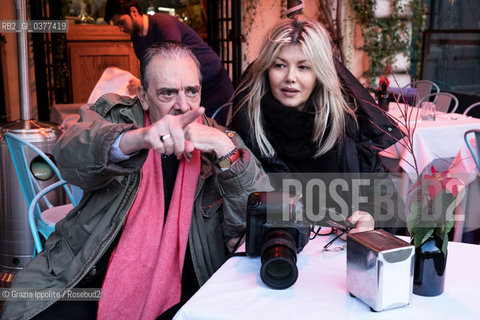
(442, 101)
(424, 87)
(227, 105)
(42, 218)
(475, 152)
(471, 206)
(470, 107)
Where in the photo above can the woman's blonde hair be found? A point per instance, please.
(329, 103)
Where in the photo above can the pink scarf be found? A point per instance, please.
(144, 273)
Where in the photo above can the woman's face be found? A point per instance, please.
(291, 77)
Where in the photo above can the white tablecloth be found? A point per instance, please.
(441, 138)
(463, 166)
(236, 291)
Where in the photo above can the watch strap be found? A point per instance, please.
(226, 160)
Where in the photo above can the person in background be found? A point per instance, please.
(300, 110)
(165, 197)
(146, 30)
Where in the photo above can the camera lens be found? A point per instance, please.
(279, 257)
(279, 266)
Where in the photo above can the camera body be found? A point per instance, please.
(275, 203)
(276, 231)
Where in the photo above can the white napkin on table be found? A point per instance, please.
(113, 80)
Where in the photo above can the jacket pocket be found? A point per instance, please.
(59, 256)
(209, 211)
(99, 204)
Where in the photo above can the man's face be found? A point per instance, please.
(126, 24)
(173, 87)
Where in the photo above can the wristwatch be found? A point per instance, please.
(227, 160)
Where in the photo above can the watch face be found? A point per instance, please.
(225, 163)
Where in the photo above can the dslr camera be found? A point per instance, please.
(276, 231)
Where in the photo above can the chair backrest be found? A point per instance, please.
(424, 87)
(28, 180)
(475, 105)
(442, 101)
(228, 107)
(474, 151)
(55, 214)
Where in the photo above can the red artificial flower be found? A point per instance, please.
(383, 80)
(437, 182)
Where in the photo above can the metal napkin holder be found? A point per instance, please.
(380, 269)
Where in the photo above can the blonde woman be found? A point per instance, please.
(300, 110)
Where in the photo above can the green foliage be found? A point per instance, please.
(61, 74)
(383, 37)
(365, 10)
(431, 215)
(418, 26)
(419, 227)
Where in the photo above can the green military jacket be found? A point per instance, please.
(79, 241)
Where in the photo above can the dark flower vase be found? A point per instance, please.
(429, 272)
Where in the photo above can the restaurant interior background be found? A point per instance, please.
(449, 54)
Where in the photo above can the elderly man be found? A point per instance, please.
(165, 198)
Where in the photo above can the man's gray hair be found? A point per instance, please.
(169, 50)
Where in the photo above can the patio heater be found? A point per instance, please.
(16, 242)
